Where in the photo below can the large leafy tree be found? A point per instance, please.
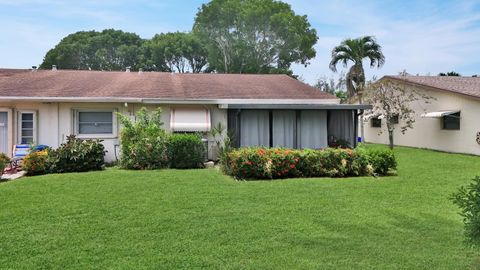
(254, 36)
(354, 51)
(332, 86)
(177, 52)
(106, 50)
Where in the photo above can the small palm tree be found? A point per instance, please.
(355, 51)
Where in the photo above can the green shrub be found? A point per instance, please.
(249, 163)
(224, 144)
(284, 162)
(76, 155)
(333, 162)
(4, 160)
(382, 160)
(263, 163)
(360, 163)
(272, 163)
(185, 151)
(468, 199)
(35, 163)
(143, 141)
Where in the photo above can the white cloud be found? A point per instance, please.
(429, 44)
(32, 27)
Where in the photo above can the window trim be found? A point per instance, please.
(76, 124)
(19, 125)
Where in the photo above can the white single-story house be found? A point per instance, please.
(45, 106)
(450, 122)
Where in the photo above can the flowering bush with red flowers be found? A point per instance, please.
(276, 163)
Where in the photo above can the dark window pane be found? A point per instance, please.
(27, 132)
(376, 122)
(28, 124)
(451, 122)
(27, 116)
(395, 119)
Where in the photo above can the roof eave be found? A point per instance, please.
(298, 106)
(168, 100)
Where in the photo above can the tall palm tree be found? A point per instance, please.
(354, 51)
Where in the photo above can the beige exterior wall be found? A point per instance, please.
(55, 121)
(428, 132)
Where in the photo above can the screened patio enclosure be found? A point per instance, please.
(290, 126)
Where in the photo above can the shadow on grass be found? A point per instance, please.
(407, 241)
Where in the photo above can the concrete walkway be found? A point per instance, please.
(8, 177)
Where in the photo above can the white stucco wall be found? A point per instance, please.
(55, 121)
(428, 132)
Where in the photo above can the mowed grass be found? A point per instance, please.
(171, 219)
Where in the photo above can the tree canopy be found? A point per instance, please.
(354, 51)
(228, 36)
(177, 52)
(106, 50)
(336, 88)
(450, 73)
(254, 36)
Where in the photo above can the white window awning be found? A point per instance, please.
(190, 119)
(439, 114)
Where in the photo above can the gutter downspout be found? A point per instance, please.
(357, 115)
(58, 124)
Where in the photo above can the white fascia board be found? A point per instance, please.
(241, 101)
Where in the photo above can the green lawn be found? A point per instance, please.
(167, 219)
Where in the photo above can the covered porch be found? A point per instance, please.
(313, 126)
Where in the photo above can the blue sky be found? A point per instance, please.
(424, 37)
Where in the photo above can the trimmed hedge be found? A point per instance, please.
(275, 163)
(185, 151)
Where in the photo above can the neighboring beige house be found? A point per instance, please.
(450, 123)
(45, 106)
